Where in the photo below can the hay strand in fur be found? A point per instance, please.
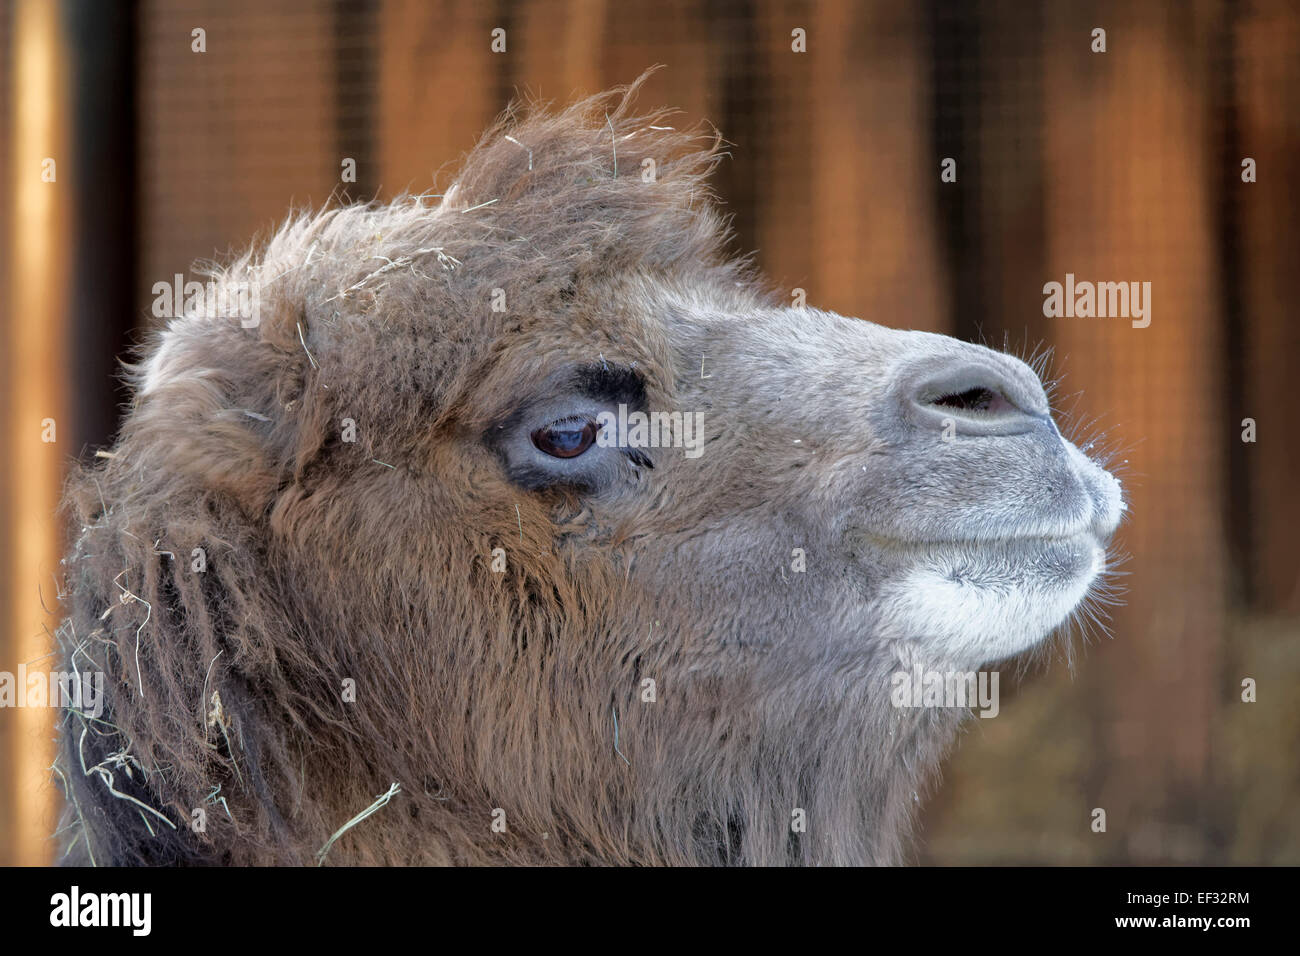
(380, 802)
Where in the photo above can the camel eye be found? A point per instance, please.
(566, 439)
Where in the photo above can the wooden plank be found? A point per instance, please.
(559, 48)
(785, 165)
(35, 336)
(439, 86)
(874, 175)
(1267, 110)
(231, 137)
(7, 227)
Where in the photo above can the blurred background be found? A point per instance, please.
(127, 154)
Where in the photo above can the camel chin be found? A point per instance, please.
(969, 605)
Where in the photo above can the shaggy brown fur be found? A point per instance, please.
(331, 561)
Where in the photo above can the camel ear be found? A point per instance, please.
(211, 409)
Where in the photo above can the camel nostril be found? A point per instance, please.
(974, 396)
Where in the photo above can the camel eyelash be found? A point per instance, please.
(573, 420)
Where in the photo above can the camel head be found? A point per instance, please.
(529, 499)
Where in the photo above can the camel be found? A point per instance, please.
(382, 574)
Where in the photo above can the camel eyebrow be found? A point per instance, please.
(610, 382)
